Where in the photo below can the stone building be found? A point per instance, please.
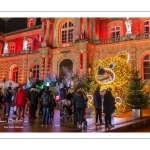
(56, 45)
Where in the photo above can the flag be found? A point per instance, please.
(35, 42)
(39, 37)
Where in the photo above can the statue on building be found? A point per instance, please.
(128, 24)
(96, 37)
(5, 47)
(25, 44)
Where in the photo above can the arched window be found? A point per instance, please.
(29, 46)
(12, 48)
(67, 32)
(146, 67)
(15, 74)
(31, 22)
(35, 72)
(115, 32)
(147, 26)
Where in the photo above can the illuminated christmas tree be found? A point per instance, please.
(135, 97)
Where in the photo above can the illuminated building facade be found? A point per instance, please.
(73, 43)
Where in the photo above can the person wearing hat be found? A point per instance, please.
(33, 97)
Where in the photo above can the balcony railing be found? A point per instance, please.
(19, 53)
(124, 38)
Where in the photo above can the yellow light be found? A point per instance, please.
(116, 75)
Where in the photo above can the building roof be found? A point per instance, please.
(14, 24)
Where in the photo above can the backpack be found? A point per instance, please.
(46, 100)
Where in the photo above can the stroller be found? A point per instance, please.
(65, 110)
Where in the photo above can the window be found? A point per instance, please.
(146, 66)
(31, 23)
(147, 26)
(12, 48)
(67, 32)
(15, 74)
(35, 72)
(115, 32)
(29, 46)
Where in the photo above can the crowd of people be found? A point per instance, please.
(104, 103)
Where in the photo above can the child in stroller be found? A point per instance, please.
(65, 109)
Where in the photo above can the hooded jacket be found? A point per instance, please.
(33, 96)
(79, 100)
(21, 98)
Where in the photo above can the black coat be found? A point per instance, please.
(97, 98)
(8, 96)
(1, 97)
(109, 103)
(79, 100)
(33, 96)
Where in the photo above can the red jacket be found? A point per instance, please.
(21, 97)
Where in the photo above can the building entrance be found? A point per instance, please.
(65, 70)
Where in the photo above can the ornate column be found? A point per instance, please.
(47, 31)
(46, 66)
(42, 31)
(92, 28)
(85, 26)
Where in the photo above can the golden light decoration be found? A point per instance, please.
(146, 88)
(113, 72)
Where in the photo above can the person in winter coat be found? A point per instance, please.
(21, 99)
(1, 98)
(109, 107)
(33, 97)
(45, 100)
(98, 105)
(40, 94)
(8, 98)
(79, 99)
(52, 104)
(14, 98)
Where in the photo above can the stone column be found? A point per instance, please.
(42, 31)
(47, 31)
(92, 28)
(84, 62)
(78, 25)
(85, 26)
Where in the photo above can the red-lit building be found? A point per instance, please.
(74, 43)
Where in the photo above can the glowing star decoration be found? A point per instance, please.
(113, 72)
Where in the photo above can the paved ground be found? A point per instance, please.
(11, 124)
(147, 129)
